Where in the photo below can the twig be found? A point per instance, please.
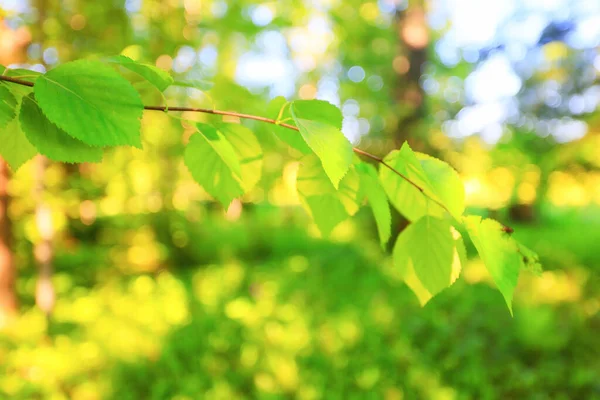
(261, 119)
(15, 80)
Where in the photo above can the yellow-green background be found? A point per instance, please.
(161, 294)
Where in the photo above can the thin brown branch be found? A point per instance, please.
(219, 112)
(16, 80)
(261, 119)
(382, 161)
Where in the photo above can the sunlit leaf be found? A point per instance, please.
(91, 102)
(326, 140)
(498, 251)
(377, 198)
(8, 104)
(20, 91)
(530, 259)
(291, 137)
(327, 206)
(327, 211)
(248, 152)
(50, 140)
(23, 74)
(213, 163)
(430, 246)
(156, 76)
(429, 254)
(319, 111)
(15, 149)
(437, 179)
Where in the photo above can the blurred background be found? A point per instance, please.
(125, 280)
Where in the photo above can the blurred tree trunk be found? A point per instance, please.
(413, 38)
(12, 50)
(413, 42)
(8, 297)
(43, 251)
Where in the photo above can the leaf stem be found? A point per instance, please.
(281, 110)
(261, 119)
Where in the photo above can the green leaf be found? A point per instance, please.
(326, 205)
(92, 103)
(530, 259)
(430, 248)
(50, 140)
(446, 184)
(430, 255)
(14, 146)
(248, 152)
(213, 163)
(499, 253)
(8, 104)
(292, 138)
(437, 179)
(319, 111)
(156, 76)
(20, 91)
(327, 211)
(327, 141)
(377, 198)
(23, 74)
(461, 251)
(194, 84)
(313, 181)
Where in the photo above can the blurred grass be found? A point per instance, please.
(261, 309)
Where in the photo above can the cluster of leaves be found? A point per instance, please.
(71, 113)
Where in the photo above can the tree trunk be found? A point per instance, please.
(413, 38)
(43, 252)
(412, 127)
(8, 297)
(12, 50)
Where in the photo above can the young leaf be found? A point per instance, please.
(320, 111)
(14, 147)
(430, 255)
(92, 103)
(156, 76)
(248, 151)
(372, 188)
(498, 251)
(50, 140)
(326, 140)
(8, 104)
(279, 108)
(438, 180)
(213, 163)
(327, 206)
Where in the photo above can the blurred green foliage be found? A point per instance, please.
(161, 294)
(266, 311)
